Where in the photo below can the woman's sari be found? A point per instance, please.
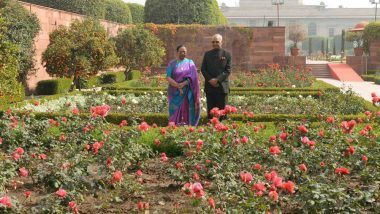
(184, 109)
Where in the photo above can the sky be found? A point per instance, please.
(329, 3)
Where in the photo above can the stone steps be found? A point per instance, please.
(320, 70)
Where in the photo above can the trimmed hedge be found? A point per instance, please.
(56, 86)
(258, 93)
(162, 119)
(370, 78)
(107, 78)
(318, 86)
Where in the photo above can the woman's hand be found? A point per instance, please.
(183, 84)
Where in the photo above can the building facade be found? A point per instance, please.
(317, 19)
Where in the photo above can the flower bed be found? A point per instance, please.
(84, 164)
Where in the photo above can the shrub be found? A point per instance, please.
(79, 51)
(371, 33)
(10, 89)
(56, 86)
(93, 8)
(23, 27)
(195, 11)
(107, 78)
(137, 12)
(370, 78)
(139, 48)
(118, 11)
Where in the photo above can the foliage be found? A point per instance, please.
(356, 38)
(371, 33)
(274, 76)
(54, 154)
(92, 8)
(218, 159)
(183, 12)
(139, 48)
(137, 12)
(136, 102)
(23, 27)
(297, 33)
(79, 51)
(10, 89)
(118, 11)
(56, 86)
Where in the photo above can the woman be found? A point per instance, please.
(183, 91)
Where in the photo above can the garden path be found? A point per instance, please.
(363, 89)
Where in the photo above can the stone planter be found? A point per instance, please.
(294, 51)
(358, 51)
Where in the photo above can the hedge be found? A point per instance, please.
(162, 119)
(370, 78)
(258, 93)
(55, 86)
(318, 86)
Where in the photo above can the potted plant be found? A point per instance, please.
(356, 37)
(297, 33)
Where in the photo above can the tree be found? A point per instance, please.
(297, 33)
(139, 48)
(118, 11)
(183, 12)
(79, 51)
(137, 12)
(10, 88)
(23, 27)
(92, 8)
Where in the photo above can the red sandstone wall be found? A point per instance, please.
(375, 55)
(50, 19)
(250, 47)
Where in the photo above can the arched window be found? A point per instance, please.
(312, 29)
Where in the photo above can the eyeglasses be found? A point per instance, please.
(215, 42)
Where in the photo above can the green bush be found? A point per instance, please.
(10, 88)
(377, 80)
(118, 11)
(108, 78)
(371, 33)
(93, 8)
(80, 51)
(373, 72)
(23, 27)
(137, 12)
(195, 11)
(56, 86)
(370, 78)
(162, 119)
(138, 48)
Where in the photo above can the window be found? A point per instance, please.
(331, 32)
(312, 29)
(252, 23)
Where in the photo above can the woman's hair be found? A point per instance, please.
(179, 46)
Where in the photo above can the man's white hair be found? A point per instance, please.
(218, 37)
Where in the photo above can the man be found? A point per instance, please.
(216, 68)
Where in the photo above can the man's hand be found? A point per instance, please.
(214, 82)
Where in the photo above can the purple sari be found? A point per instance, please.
(184, 109)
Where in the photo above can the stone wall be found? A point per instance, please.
(50, 19)
(375, 55)
(250, 47)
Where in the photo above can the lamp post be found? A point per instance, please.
(278, 3)
(375, 2)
